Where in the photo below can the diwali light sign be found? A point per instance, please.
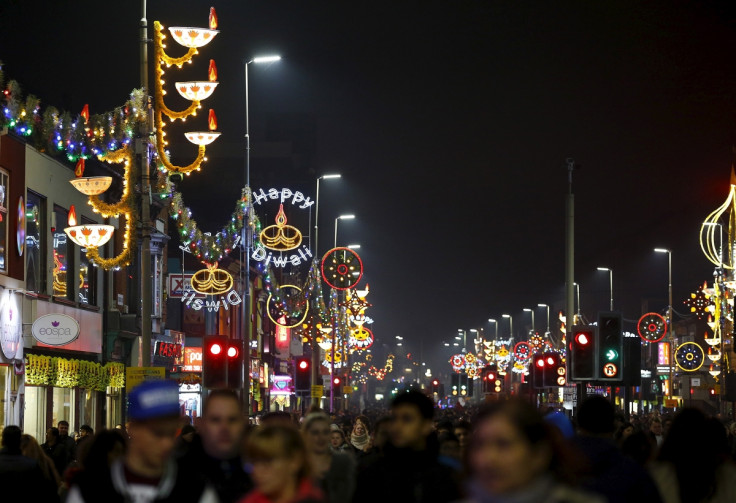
(279, 238)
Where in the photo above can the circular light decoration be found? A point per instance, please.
(536, 342)
(689, 356)
(457, 362)
(698, 302)
(281, 237)
(522, 351)
(20, 233)
(652, 327)
(342, 268)
(196, 90)
(361, 339)
(92, 185)
(211, 281)
(289, 304)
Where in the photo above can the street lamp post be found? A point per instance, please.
(511, 344)
(495, 323)
(341, 217)
(669, 316)
(344, 359)
(547, 306)
(246, 240)
(531, 311)
(316, 212)
(577, 289)
(610, 279)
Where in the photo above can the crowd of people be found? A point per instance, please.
(507, 451)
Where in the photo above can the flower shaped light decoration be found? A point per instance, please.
(195, 91)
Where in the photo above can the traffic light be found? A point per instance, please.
(583, 353)
(488, 377)
(538, 369)
(610, 347)
(455, 380)
(497, 386)
(554, 373)
(302, 374)
(463, 390)
(222, 362)
(435, 387)
(336, 388)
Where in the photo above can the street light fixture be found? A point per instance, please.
(354, 247)
(577, 288)
(669, 314)
(511, 325)
(316, 211)
(527, 310)
(610, 279)
(266, 59)
(545, 305)
(495, 323)
(341, 217)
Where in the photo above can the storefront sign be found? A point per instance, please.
(167, 349)
(136, 375)
(10, 325)
(192, 359)
(281, 385)
(180, 285)
(55, 329)
(663, 353)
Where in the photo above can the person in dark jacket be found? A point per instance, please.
(147, 472)
(67, 441)
(408, 471)
(609, 472)
(21, 478)
(214, 453)
(332, 472)
(56, 450)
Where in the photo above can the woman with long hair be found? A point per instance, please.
(30, 448)
(333, 472)
(361, 435)
(279, 467)
(514, 455)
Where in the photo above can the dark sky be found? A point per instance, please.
(450, 123)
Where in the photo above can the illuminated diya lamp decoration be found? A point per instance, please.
(714, 370)
(281, 237)
(714, 357)
(711, 237)
(87, 235)
(212, 280)
(205, 137)
(196, 37)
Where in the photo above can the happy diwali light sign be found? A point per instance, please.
(281, 237)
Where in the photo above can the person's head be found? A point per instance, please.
(154, 422)
(29, 447)
(63, 427)
(624, 431)
(187, 433)
(276, 417)
(11, 438)
(278, 457)
(412, 414)
(317, 433)
(462, 432)
(52, 435)
(444, 426)
(561, 422)
(449, 445)
(222, 424)
(666, 425)
(656, 426)
(103, 449)
(85, 430)
(511, 445)
(361, 426)
(381, 432)
(596, 417)
(337, 437)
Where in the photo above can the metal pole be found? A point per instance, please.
(316, 222)
(672, 328)
(247, 308)
(315, 347)
(142, 149)
(570, 266)
(332, 364)
(610, 277)
(338, 218)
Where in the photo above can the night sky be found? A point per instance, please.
(450, 123)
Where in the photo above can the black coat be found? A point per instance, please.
(21, 479)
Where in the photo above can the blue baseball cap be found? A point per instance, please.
(152, 399)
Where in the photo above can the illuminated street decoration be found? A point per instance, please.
(339, 360)
(457, 362)
(87, 235)
(689, 356)
(699, 301)
(354, 303)
(281, 237)
(361, 339)
(711, 232)
(342, 268)
(652, 327)
(522, 351)
(287, 306)
(212, 280)
(192, 38)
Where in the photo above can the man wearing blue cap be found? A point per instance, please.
(146, 473)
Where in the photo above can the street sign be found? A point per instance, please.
(346, 390)
(670, 403)
(317, 391)
(136, 375)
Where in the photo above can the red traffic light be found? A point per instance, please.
(303, 364)
(491, 376)
(435, 383)
(582, 338)
(540, 362)
(232, 352)
(550, 360)
(215, 349)
(336, 381)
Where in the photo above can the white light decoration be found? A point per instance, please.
(196, 90)
(92, 185)
(192, 37)
(201, 137)
(90, 235)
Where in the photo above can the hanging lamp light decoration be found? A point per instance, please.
(711, 237)
(87, 235)
(195, 91)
